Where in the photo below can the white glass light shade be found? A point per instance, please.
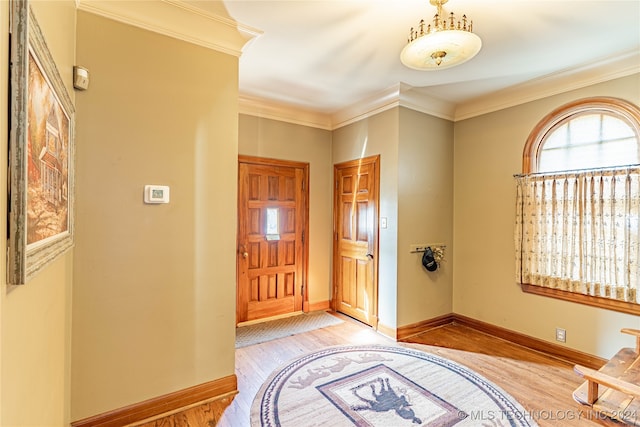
(459, 46)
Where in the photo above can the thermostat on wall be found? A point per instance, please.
(156, 194)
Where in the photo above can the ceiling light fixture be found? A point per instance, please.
(443, 44)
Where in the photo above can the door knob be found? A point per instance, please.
(370, 256)
(243, 250)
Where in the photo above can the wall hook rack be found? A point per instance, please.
(436, 248)
(421, 249)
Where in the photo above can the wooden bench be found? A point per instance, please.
(614, 389)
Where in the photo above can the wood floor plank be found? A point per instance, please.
(542, 384)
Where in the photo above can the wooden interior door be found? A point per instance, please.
(272, 252)
(356, 239)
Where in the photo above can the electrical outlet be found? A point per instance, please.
(561, 335)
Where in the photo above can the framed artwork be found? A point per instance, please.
(41, 153)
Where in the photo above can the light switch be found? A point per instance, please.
(383, 222)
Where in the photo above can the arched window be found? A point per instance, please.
(578, 207)
(588, 133)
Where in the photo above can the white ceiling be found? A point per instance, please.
(327, 55)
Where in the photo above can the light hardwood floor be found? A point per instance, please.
(542, 384)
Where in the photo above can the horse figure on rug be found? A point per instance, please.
(385, 400)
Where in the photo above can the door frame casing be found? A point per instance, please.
(264, 161)
(375, 159)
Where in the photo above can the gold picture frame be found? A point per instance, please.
(41, 153)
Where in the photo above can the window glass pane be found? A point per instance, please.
(589, 141)
(585, 129)
(556, 139)
(582, 157)
(619, 153)
(551, 163)
(272, 221)
(614, 128)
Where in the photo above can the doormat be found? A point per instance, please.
(280, 328)
(382, 386)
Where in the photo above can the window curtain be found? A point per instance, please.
(579, 232)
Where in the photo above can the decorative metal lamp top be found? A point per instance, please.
(444, 43)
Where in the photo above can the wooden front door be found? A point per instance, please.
(355, 246)
(272, 221)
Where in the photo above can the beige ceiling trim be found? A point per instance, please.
(415, 100)
(397, 95)
(270, 110)
(176, 19)
(261, 108)
(382, 101)
(406, 96)
(295, 115)
(604, 70)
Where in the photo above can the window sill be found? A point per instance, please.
(609, 304)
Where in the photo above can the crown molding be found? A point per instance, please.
(260, 107)
(271, 110)
(375, 104)
(398, 95)
(178, 20)
(552, 84)
(407, 96)
(413, 99)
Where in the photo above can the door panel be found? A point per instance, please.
(356, 239)
(271, 227)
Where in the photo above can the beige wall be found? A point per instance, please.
(416, 197)
(154, 285)
(488, 151)
(425, 215)
(35, 319)
(379, 134)
(279, 140)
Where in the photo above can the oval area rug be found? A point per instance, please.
(381, 386)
